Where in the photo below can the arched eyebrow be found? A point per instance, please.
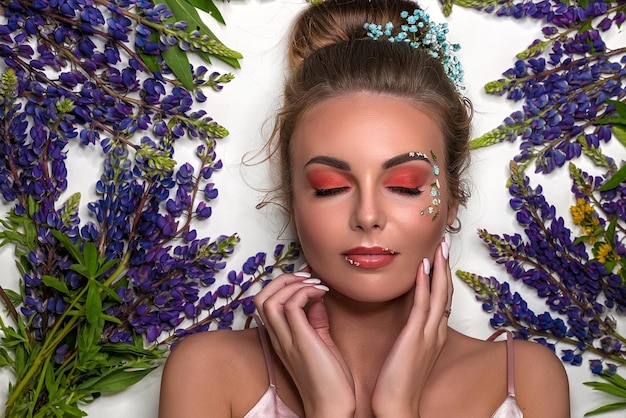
(392, 162)
(404, 158)
(329, 161)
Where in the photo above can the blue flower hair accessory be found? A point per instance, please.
(420, 32)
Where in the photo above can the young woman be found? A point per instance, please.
(371, 144)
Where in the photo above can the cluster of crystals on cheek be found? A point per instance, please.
(435, 187)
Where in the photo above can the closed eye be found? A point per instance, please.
(412, 191)
(330, 192)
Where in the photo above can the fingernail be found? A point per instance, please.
(445, 250)
(302, 274)
(446, 238)
(311, 281)
(426, 266)
(321, 287)
(303, 266)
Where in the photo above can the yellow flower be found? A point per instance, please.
(584, 215)
(604, 253)
(581, 211)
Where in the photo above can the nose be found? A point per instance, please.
(368, 212)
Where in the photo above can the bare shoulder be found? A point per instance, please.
(479, 368)
(541, 383)
(205, 372)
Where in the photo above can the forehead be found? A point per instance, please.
(363, 125)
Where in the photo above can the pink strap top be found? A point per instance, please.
(272, 406)
(509, 408)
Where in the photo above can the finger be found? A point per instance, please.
(273, 309)
(421, 301)
(440, 285)
(449, 273)
(279, 282)
(317, 316)
(299, 321)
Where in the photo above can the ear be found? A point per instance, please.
(453, 209)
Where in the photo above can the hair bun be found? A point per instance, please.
(335, 21)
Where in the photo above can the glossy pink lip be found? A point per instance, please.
(369, 257)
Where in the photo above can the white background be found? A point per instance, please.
(246, 106)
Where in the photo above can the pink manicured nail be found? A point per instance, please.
(445, 250)
(302, 274)
(303, 266)
(321, 287)
(426, 266)
(446, 239)
(311, 281)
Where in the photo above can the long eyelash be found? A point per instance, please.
(329, 192)
(413, 191)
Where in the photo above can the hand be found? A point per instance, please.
(406, 370)
(302, 341)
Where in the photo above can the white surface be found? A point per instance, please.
(257, 28)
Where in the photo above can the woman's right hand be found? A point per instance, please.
(293, 312)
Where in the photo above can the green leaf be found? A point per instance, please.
(110, 318)
(80, 269)
(14, 297)
(127, 349)
(178, 62)
(620, 107)
(5, 359)
(90, 255)
(32, 206)
(615, 180)
(610, 230)
(607, 408)
(69, 246)
(615, 379)
(115, 380)
(50, 379)
(93, 306)
(209, 7)
(182, 10)
(106, 266)
(611, 120)
(150, 60)
(619, 131)
(609, 388)
(56, 284)
(109, 291)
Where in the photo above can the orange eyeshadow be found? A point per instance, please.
(406, 177)
(324, 179)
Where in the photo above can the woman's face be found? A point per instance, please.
(370, 198)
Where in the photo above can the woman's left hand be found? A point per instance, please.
(407, 368)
